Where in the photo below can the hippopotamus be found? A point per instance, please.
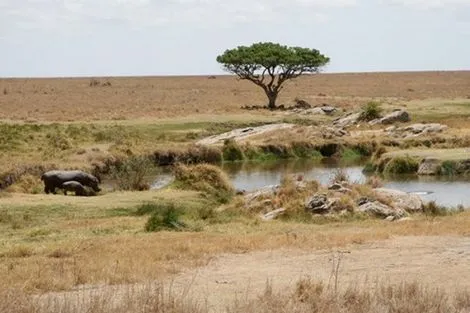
(55, 179)
(78, 188)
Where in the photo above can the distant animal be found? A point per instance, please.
(55, 179)
(78, 188)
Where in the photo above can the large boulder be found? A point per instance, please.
(394, 117)
(261, 194)
(381, 210)
(429, 166)
(400, 199)
(348, 120)
(272, 214)
(328, 109)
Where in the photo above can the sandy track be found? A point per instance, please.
(442, 262)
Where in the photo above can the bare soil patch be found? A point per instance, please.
(439, 261)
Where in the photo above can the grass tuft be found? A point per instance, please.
(370, 111)
(206, 178)
(167, 218)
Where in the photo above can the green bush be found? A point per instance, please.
(401, 165)
(167, 218)
(370, 111)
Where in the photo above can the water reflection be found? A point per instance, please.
(446, 191)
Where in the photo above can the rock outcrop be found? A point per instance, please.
(429, 166)
(347, 120)
(396, 116)
(378, 209)
(243, 133)
(342, 187)
(415, 130)
(400, 199)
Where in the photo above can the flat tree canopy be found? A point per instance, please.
(269, 65)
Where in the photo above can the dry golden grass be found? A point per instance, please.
(159, 97)
(57, 242)
(307, 295)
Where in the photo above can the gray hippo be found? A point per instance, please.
(55, 179)
(78, 188)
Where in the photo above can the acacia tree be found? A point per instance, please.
(269, 65)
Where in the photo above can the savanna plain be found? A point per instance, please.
(199, 245)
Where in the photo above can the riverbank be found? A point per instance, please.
(425, 162)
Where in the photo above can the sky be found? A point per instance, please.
(57, 38)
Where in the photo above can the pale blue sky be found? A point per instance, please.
(183, 37)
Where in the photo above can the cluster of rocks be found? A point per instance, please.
(397, 116)
(386, 203)
(393, 204)
(415, 130)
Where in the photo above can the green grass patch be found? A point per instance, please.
(402, 165)
(350, 154)
(448, 168)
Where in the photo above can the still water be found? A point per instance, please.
(447, 191)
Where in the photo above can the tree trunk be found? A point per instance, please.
(272, 96)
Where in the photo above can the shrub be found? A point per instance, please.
(202, 177)
(232, 151)
(434, 209)
(401, 165)
(130, 174)
(448, 168)
(370, 111)
(206, 178)
(166, 219)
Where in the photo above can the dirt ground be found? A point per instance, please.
(436, 261)
(124, 98)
